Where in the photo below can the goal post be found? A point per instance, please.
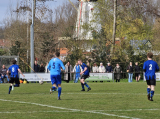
(7, 60)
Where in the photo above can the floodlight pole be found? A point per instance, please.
(32, 38)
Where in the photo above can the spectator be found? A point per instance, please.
(109, 68)
(41, 69)
(77, 69)
(88, 66)
(130, 72)
(36, 66)
(46, 70)
(102, 68)
(95, 68)
(4, 73)
(68, 71)
(117, 70)
(137, 72)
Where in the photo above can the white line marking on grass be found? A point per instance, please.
(93, 112)
(35, 112)
(127, 110)
(111, 93)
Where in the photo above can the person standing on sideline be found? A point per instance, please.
(77, 69)
(109, 68)
(102, 68)
(36, 66)
(85, 74)
(150, 67)
(14, 77)
(95, 68)
(137, 72)
(42, 68)
(68, 72)
(117, 71)
(130, 72)
(4, 73)
(54, 67)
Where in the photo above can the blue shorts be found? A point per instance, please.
(56, 79)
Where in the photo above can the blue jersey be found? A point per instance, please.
(54, 66)
(150, 67)
(83, 67)
(14, 71)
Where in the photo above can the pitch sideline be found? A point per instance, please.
(77, 110)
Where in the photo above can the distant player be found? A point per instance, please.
(85, 74)
(150, 67)
(14, 78)
(54, 67)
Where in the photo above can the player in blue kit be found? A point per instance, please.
(14, 69)
(150, 67)
(85, 74)
(54, 67)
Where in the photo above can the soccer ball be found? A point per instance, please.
(41, 82)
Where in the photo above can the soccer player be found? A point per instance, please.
(54, 67)
(150, 67)
(85, 74)
(14, 69)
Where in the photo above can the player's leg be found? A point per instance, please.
(59, 86)
(153, 84)
(148, 89)
(84, 83)
(10, 87)
(54, 86)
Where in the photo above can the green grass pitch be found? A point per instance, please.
(106, 100)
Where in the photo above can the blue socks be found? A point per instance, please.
(17, 85)
(82, 85)
(10, 87)
(86, 84)
(59, 91)
(148, 90)
(54, 88)
(152, 93)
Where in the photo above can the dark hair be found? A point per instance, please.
(57, 54)
(14, 61)
(149, 55)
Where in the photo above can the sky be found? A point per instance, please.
(5, 4)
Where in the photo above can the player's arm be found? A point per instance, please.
(62, 65)
(49, 66)
(144, 67)
(20, 72)
(83, 70)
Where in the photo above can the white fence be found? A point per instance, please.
(46, 76)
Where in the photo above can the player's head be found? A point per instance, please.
(57, 54)
(14, 62)
(150, 55)
(79, 61)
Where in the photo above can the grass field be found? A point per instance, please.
(105, 100)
